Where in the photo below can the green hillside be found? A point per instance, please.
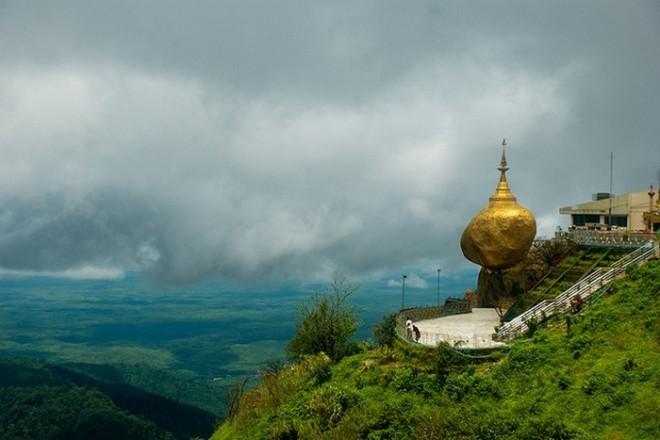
(176, 385)
(598, 378)
(39, 400)
(576, 264)
(69, 413)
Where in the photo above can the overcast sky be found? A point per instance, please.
(298, 140)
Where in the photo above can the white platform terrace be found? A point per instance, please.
(475, 329)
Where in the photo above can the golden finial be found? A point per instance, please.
(503, 168)
(503, 192)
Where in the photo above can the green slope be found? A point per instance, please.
(601, 380)
(181, 386)
(45, 401)
(69, 413)
(580, 262)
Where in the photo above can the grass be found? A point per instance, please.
(600, 380)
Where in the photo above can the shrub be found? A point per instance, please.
(458, 386)
(283, 430)
(318, 369)
(234, 394)
(564, 381)
(394, 421)
(385, 332)
(329, 405)
(448, 361)
(580, 341)
(548, 429)
(532, 325)
(633, 272)
(406, 380)
(326, 324)
(277, 388)
(526, 357)
(496, 425)
(446, 424)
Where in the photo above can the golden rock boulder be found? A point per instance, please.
(500, 235)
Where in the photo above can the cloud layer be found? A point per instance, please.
(299, 141)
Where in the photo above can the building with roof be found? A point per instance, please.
(629, 211)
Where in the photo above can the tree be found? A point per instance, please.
(326, 324)
(385, 332)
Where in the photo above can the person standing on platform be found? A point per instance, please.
(416, 332)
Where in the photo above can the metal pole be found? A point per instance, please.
(609, 219)
(403, 291)
(439, 287)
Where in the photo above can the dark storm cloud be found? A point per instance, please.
(103, 229)
(301, 139)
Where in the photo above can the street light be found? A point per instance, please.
(439, 286)
(403, 291)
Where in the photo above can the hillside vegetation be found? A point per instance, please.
(175, 385)
(593, 375)
(39, 400)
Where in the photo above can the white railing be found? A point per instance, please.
(584, 287)
(461, 341)
(611, 239)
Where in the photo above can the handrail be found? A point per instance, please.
(474, 341)
(610, 239)
(584, 287)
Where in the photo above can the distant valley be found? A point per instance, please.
(187, 344)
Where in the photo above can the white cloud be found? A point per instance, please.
(81, 273)
(413, 281)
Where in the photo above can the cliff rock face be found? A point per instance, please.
(498, 288)
(504, 287)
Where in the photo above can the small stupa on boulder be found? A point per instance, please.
(498, 237)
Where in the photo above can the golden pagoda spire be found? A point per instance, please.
(503, 192)
(501, 234)
(503, 168)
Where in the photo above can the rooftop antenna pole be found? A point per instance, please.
(609, 217)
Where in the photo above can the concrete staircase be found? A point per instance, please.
(584, 287)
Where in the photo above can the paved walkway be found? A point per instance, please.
(474, 329)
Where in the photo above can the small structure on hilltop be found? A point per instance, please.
(497, 238)
(608, 211)
(626, 221)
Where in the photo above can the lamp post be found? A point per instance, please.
(609, 215)
(439, 286)
(403, 290)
